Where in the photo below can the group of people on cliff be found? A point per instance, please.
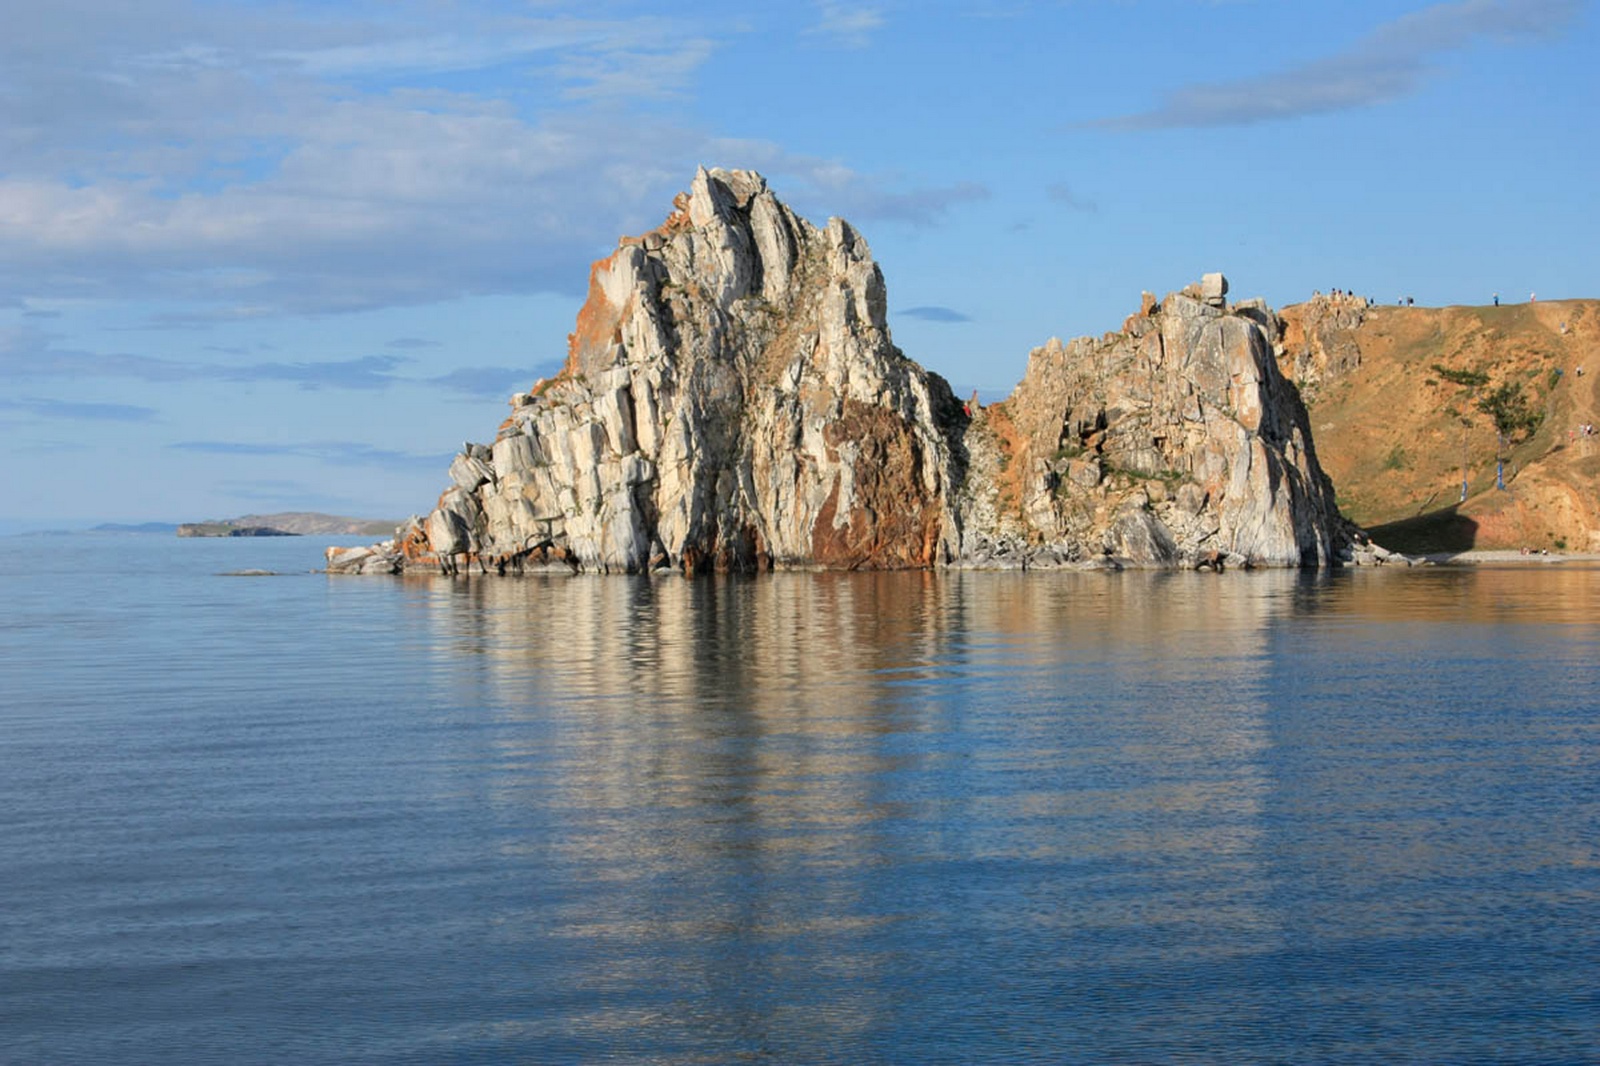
(1342, 298)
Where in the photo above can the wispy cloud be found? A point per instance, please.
(493, 382)
(277, 162)
(367, 372)
(405, 52)
(1062, 193)
(847, 25)
(826, 186)
(935, 314)
(1388, 63)
(236, 163)
(639, 72)
(333, 453)
(78, 410)
(28, 354)
(589, 58)
(919, 207)
(31, 354)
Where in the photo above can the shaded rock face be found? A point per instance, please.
(1174, 442)
(731, 400)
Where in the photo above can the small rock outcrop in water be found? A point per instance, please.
(732, 400)
(223, 529)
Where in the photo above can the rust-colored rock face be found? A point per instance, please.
(880, 517)
(732, 400)
(598, 319)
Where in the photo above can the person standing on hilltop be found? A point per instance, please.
(1497, 299)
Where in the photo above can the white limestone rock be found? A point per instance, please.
(732, 399)
(1186, 413)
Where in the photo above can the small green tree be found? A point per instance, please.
(1511, 414)
(1508, 408)
(1472, 379)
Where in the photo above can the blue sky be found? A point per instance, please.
(273, 256)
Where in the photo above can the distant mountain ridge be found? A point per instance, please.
(286, 523)
(135, 527)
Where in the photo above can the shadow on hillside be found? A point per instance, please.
(1445, 530)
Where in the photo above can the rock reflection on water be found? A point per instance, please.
(1264, 817)
(920, 817)
(788, 808)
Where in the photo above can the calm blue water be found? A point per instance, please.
(900, 818)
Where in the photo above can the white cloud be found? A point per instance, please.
(848, 25)
(432, 53)
(28, 354)
(828, 187)
(257, 161)
(282, 162)
(635, 74)
(1388, 63)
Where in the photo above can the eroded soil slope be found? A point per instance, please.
(1394, 395)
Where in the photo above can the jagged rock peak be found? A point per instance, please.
(731, 399)
(729, 239)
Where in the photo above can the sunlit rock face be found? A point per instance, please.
(1174, 441)
(732, 400)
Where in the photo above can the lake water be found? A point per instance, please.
(802, 818)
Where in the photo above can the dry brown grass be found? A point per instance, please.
(1393, 434)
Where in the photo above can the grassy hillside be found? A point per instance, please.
(1396, 431)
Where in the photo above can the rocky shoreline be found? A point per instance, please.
(1500, 557)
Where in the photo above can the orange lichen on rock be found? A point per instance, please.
(597, 322)
(413, 544)
(1014, 446)
(678, 220)
(673, 224)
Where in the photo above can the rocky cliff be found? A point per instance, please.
(732, 400)
(1174, 441)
